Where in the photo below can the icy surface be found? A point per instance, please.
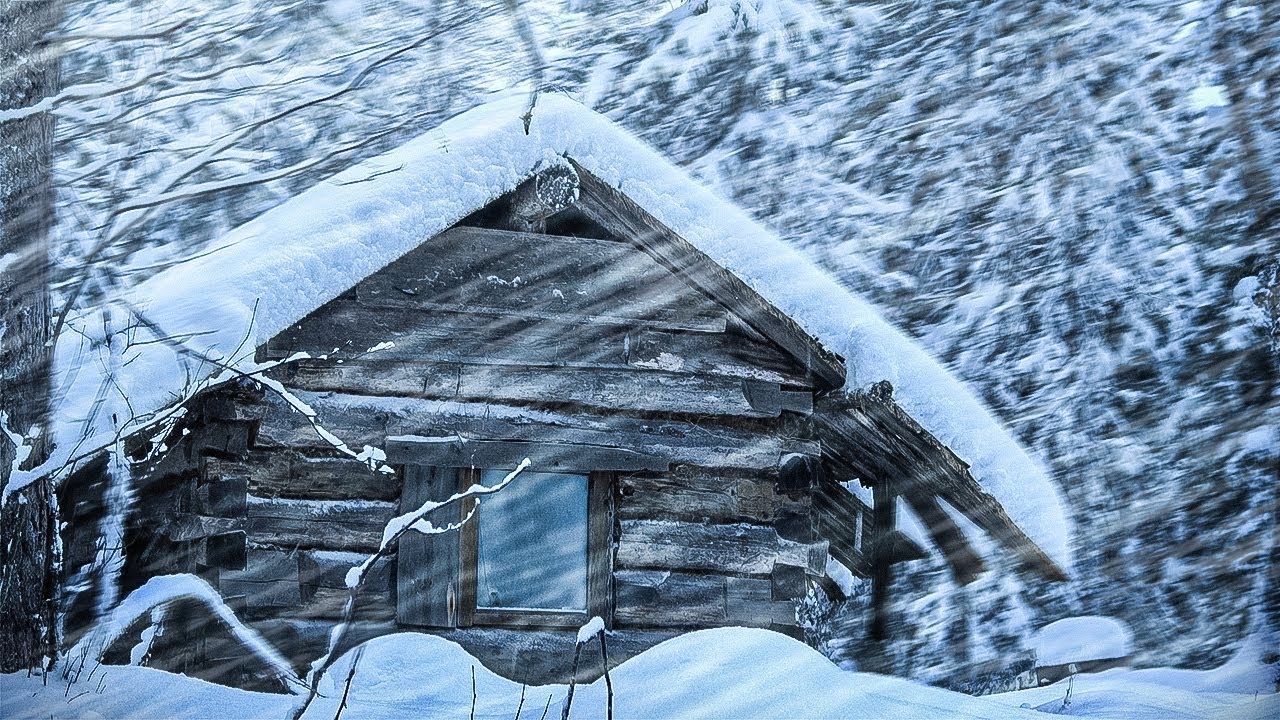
(722, 673)
(273, 271)
(1080, 639)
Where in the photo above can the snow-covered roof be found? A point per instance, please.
(1081, 639)
(273, 271)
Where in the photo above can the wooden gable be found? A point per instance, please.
(622, 316)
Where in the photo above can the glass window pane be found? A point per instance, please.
(533, 543)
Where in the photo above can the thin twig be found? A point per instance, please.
(573, 680)
(608, 683)
(473, 691)
(351, 675)
(521, 703)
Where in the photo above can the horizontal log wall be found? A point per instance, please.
(556, 348)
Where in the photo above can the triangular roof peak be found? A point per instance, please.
(276, 269)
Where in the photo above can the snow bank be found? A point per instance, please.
(1080, 639)
(722, 673)
(162, 590)
(1241, 688)
(276, 269)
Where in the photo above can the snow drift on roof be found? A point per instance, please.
(271, 272)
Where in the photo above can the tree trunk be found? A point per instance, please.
(28, 519)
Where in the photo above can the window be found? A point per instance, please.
(531, 545)
(537, 554)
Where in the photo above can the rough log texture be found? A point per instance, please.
(624, 218)
(361, 421)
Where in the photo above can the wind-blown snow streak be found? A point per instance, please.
(307, 251)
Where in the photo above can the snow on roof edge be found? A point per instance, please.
(276, 269)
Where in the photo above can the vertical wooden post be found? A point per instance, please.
(885, 517)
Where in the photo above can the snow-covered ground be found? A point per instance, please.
(722, 673)
(1241, 688)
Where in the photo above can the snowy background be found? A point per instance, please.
(1071, 205)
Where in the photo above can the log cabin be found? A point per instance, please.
(492, 293)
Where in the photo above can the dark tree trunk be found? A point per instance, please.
(28, 523)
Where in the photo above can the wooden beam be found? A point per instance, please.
(963, 561)
(454, 451)
(868, 435)
(609, 389)
(623, 217)
(885, 515)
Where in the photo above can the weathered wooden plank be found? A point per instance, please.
(700, 495)
(268, 580)
(347, 329)
(545, 276)
(454, 451)
(660, 598)
(362, 420)
(611, 389)
(335, 525)
(749, 602)
(279, 425)
(331, 603)
(769, 399)
(328, 569)
(189, 526)
(731, 353)
(742, 549)
(427, 566)
(628, 220)
(290, 474)
(601, 490)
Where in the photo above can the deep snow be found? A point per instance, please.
(722, 673)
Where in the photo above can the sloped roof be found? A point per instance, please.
(276, 269)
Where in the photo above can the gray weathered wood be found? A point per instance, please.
(601, 490)
(626, 219)
(268, 580)
(743, 549)
(660, 598)
(453, 451)
(482, 270)
(345, 329)
(611, 389)
(290, 474)
(690, 442)
(868, 435)
(334, 525)
(427, 566)
(701, 495)
(749, 602)
(837, 512)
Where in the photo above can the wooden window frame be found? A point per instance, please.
(600, 488)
